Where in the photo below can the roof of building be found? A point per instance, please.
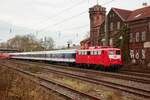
(128, 15)
(85, 40)
(139, 14)
(122, 13)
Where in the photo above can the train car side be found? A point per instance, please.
(105, 58)
(60, 56)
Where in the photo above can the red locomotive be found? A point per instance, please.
(101, 57)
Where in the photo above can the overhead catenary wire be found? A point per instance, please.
(72, 17)
(58, 14)
(65, 20)
(78, 27)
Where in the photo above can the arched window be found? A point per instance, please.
(137, 37)
(131, 38)
(143, 36)
(111, 26)
(118, 25)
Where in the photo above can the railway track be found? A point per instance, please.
(87, 75)
(135, 73)
(62, 89)
(126, 75)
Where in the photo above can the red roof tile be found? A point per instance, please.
(122, 13)
(139, 14)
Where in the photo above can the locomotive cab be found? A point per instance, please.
(115, 58)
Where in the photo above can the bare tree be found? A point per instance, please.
(28, 43)
(48, 43)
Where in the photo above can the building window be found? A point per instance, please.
(111, 42)
(118, 25)
(143, 54)
(110, 15)
(137, 37)
(113, 15)
(131, 37)
(111, 26)
(143, 36)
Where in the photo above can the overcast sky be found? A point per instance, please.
(62, 20)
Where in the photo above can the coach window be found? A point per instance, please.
(74, 55)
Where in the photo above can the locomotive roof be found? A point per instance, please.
(53, 51)
(111, 48)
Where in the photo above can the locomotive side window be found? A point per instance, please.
(99, 52)
(95, 52)
(92, 52)
(88, 52)
(85, 52)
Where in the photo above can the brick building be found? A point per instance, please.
(137, 22)
(97, 16)
(139, 43)
(85, 43)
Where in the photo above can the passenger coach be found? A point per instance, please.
(64, 56)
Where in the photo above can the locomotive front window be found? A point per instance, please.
(117, 52)
(111, 52)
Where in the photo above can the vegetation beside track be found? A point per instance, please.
(16, 87)
(73, 82)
